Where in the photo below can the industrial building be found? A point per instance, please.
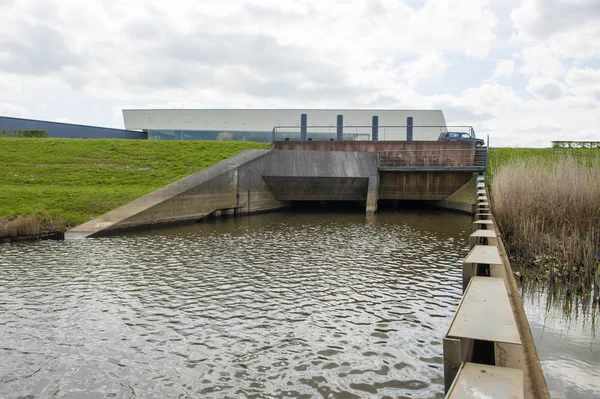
(261, 125)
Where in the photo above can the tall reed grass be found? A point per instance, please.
(548, 211)
(28, 226)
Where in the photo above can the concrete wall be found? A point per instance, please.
(261, 180)
(68, 130)
(234, 183)
(463, 199)
(320, 176)
(421, 185)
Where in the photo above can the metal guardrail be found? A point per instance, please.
(576, 144)
(474, 159)
(354, 132)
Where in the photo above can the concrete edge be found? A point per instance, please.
(455, 203)
(105, 221)
(536, 374)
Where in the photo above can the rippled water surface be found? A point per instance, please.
(277, 305)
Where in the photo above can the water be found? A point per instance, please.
(564, 331)
(277, 305)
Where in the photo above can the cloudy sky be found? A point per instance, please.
(526, 72)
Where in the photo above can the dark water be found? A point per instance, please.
(565, 331)
(277, 305)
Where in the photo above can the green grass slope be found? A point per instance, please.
(79, 179)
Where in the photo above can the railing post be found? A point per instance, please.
(340, 127)
(409, 128)
(303, 127)
(375, 128)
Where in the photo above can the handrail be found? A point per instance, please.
(382, 128)
(576, 144)
(445, 158)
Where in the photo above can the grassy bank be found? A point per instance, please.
(78, 179)
(547, 205)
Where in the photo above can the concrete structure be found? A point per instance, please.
(294, 124)
(483, 237)
(489, 326)
(488, 348)
(256, 181)
(473, 380)
(68, 130)
(233, 184)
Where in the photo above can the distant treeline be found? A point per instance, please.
(23, 133)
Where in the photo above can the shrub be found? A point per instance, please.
(24, 133)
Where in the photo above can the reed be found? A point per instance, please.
(548, 211)
(32, 225)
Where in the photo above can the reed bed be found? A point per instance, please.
(548, 211)
(30, 225)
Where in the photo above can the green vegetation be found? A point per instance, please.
(78, 179)
(24, 133)
(499, 157)
(547, 205)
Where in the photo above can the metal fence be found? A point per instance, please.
(443, 159)
(365, 132)
(576, 144)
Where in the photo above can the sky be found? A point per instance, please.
(524, 72)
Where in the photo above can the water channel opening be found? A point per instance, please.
(359, 206)
(328, 206)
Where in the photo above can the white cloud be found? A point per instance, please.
(464, 26)
(569, 28)
(540, 61)
(8, 109)
(546, 88)
(429, 65)
(307, 53)
(504, 69)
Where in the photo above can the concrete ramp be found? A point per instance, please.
(234, 183)
(320, 175)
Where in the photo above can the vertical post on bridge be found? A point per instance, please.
(340, 127)
(409, 128)
(375, 128)
(303, 127)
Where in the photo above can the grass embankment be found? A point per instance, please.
(64, 182)
(547, 205)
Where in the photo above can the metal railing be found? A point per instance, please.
(365, 132)
(576, 144)
(473, 159)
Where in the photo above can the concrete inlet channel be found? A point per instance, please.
(488, 349)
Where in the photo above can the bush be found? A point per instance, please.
(24, 133)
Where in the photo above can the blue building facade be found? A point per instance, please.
(69, 130)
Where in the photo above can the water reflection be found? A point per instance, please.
(276, 305)
(564, 330)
